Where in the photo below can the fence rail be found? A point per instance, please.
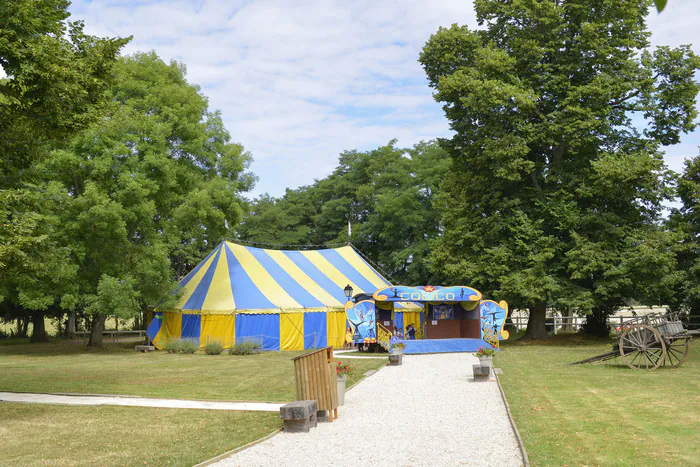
(572, 323)
(114, 335)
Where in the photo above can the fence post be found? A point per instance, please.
(555, 325)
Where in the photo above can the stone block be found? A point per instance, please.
(145, 348)
(297, 426)
(322, 416)
(298, 410)
(395, 359)
(481, 373)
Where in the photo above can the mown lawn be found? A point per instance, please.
(52, 435)
(67, 367)
(600, 414)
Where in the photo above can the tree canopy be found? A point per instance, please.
(387, 195)
(560, 110)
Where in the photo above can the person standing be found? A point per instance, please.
(411, 331)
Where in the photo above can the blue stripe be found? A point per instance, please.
(348, 271)
(263, 328)
(315, 331)
(154, 326)
(193, 272)
(317, 276)
(287, 282)
(197, 298)
(245, 293)
(191, 327)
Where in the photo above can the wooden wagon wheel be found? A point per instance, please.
(642, 347)
(677, 351)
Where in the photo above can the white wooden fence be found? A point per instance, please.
(556, 323)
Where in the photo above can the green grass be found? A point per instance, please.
(50, 435)
(64, 366)
(600, 414)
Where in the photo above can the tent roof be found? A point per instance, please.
(237, 278)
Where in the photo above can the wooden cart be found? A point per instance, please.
(647, 342)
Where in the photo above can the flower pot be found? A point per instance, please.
(486, 361)
(342, 379)
(396, 351)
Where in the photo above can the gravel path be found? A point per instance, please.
(426, 412)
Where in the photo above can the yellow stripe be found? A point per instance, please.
(356, 262)
(262, 279)
(305, 281)
(330, 271)
(192, 285)
(220, 296)
(291, 331)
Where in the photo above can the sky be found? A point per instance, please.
(298, 82)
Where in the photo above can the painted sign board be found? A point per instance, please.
(428, 293)
(493, 318)
(361, 318)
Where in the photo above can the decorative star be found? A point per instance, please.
(428, 288)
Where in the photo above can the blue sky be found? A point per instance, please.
(298, 82)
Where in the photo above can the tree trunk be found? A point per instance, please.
(70, 326)
(98, 325)
(597, 323)
(25, 326)
(536, 329)
(39, 331)
(567, 324)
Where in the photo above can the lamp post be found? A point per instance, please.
(348, 291)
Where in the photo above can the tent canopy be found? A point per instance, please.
(239, 279)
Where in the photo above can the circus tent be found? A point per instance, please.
(285, 300)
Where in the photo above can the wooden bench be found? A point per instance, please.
(145, 348)
(299, 416)
(481, 373)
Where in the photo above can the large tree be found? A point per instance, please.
(51, 87)
(156, 182)
(686, 222)
(560, 110)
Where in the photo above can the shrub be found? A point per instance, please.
(245, 348)
(189, 346)
(172, 346)
(186, 346)
(213, 348)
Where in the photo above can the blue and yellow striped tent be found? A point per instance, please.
(285, 300)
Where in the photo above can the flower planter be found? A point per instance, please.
(397, 351)
(341, 389)
(486, 361)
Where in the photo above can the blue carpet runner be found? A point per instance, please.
(442, 345)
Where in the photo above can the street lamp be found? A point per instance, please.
(348, 291)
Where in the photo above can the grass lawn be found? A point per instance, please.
(52, 435)
(64, 366)
(600, 414)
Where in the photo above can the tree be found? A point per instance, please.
(54, 83)
(686, 221)
(386, 193)
(156, 182)
(554, 195)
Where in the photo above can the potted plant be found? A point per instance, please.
(397, 348)
(485, 355)
(342, 370)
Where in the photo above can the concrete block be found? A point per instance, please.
(145, 348)
(298, 410)
(297, 426)
(481, 373)
(322, 416)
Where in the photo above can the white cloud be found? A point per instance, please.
(299, 81)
